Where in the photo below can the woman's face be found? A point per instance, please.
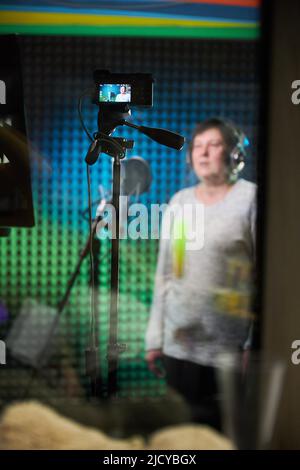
(123, 89)
(208, 155)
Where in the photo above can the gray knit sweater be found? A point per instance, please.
(188, 320)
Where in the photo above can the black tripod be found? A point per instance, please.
(110, 117)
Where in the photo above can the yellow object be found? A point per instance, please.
(178, 247)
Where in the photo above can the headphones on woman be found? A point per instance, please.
(235, 140)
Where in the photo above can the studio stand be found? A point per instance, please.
(110, 116)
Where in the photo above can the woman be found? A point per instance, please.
(187, 328)
(124, 95)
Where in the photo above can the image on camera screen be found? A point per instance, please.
(115, 93)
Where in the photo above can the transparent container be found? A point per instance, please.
(250, 388)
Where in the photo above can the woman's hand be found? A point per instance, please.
(153, 357)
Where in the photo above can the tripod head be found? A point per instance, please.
(112, 116)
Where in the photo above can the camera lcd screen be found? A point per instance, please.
(114, 93)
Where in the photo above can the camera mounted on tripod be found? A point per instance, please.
(114, 94)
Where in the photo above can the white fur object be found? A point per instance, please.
(189, 437)
(32, 425)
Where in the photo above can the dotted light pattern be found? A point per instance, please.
(194, 79)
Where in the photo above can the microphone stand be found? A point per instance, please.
(92, 368)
